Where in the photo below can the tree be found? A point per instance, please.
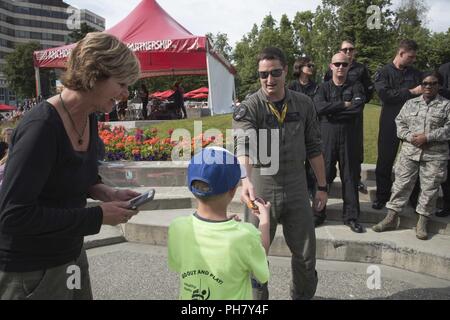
(221, 45)
(287, 43)
(354, 22)
(245, 55)
(324, 40)
(19, 69)
(410, 23)
(303, 26)
(78, 34)
(440, 49)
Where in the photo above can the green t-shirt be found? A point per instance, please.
(215, 259)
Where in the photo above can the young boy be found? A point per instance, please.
(215, 255)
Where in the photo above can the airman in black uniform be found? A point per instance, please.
(357, 72)
(339, 104)
(395, 83)
(303, 72)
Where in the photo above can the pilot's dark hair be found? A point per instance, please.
(272, 53)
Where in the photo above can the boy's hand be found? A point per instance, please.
(263, 212)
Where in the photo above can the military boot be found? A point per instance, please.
(390, 222)
(421, 229)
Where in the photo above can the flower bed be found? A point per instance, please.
(143, 145)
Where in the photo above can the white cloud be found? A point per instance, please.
(233, 17)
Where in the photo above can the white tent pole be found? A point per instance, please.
(38, 81)
(210, 86)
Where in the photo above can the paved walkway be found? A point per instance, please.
(136, 271)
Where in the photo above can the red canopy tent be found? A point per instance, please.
(5, 107)
(199, 90)
(192, 93)
(164, 47)
(200, 96)
(162, 95)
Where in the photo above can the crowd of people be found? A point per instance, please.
(43, 213)
(339, 103)
(323, 127)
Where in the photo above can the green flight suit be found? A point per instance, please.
(298, 140)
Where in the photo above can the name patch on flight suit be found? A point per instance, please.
(239, 113)
(292, 117)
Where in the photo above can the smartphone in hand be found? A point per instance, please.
(148, 196)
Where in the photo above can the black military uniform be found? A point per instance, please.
(358, 72)
(392, 86)
(444, 70)
(310, 90)
(339, 141)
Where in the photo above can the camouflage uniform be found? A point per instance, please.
(429, 163)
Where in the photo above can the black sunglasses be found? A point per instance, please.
(310, 65)
(347, 49)
(339, 64)
(429, 84)
(274, 73)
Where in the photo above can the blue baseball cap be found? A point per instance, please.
(218, 168)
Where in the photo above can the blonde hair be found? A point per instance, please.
(4, 131)
(5, 157)
(97, 57)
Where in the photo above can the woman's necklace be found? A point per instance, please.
(80, 135)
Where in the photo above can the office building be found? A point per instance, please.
(44, 21)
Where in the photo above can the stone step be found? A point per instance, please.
(168, 198)
(107, 236)
(408, 218)
(335, 241)
(169, 174)
(370, 196)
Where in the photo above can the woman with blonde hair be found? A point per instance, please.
(5, 141)
(52, 170)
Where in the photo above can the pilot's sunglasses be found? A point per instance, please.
(274, 73)
(339, 64)
(311, 65)
(429, 84)
(347, 49)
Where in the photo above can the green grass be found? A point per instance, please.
(371, 122)
(223, 122)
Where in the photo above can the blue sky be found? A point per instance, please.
(233, 17)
